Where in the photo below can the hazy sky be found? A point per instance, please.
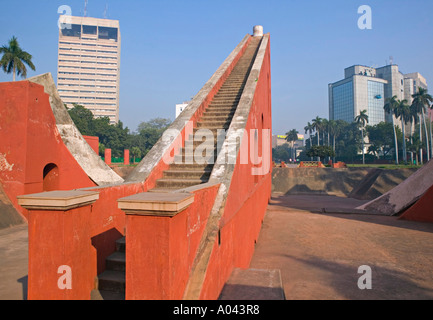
(171, 48)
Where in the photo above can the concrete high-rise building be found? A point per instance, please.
(359, 90)
(89, 64)
(367, 88)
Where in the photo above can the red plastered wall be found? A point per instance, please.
(29, 141)
(247, 198)
(422, 210)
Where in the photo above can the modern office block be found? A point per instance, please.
(367, 88)
(89, 64)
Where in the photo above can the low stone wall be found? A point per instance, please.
(351, 182)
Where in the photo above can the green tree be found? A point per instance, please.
(380, 137)
(317, 126)
(15, 59)
(136, 153)
(292, 137)
(320, 152)
(280, 153)
(309, 129)
(421, 101)
(83, 119)
(390, 105)
(402, 111)
(362, 120)
(149, 133)
(348, 142)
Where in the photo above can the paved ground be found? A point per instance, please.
(13, 263)
(319, 254)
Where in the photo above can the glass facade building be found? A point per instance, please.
(343, 102)
(376, 102)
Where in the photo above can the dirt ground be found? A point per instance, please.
(319, 254)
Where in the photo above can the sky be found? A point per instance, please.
(170, 48)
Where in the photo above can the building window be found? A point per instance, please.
(343, 102)
(106, 33)
(75, 31)
(375, 111)
(89, 30)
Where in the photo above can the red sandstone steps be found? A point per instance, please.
(110, 285)
(216, 118)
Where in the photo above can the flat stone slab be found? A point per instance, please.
(253, 284)
(155, 203)
(57, 200)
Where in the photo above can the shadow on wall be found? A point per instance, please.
(105, 245)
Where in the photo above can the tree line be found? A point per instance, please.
(117, 137)
(346, 141)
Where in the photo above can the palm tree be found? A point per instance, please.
(292, 136)
(403, 112)
(422, 100)
(317, 126)
(332, 130)
(413, 122)
(309, 129)
(361, 120)
(14, 59)
(390, 105)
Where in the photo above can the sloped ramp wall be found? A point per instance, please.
(245, 187)
(188, 117)
(84, 235)
(91, 163)
(404, 195)
(33, 157)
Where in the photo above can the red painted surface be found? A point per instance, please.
(126, 160)
(53, 243)
(107, 156)
(93, 143)
(29, 141)
(422, 210)
(160, 250)
(84, 237)
(247, 198)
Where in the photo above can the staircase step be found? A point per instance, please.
(111, 280)
(195, 166)
(213, 123)
(178, 183)
(116, 261)
(120, 244)
(189, 158)
(188, 174)
(106, 295)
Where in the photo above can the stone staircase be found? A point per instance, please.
(186, 170)
(110, 285)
